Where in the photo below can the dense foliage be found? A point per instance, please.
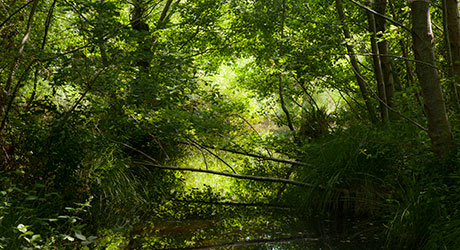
(349, 109)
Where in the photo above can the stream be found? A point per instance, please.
(254, 228)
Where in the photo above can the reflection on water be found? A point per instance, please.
(247, 228)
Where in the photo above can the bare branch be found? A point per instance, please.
(380, 15)
(255, 130)
(135, 149)
(213, 154)
(90, 82)
(393, 110)
(16, 12)
(202, 153)
(260, 156)
(237, 176)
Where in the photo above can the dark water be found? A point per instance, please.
(255, 228)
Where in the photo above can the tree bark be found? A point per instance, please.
(377, 69)
(380, 24)
(137, 23)
(438, 123)
(403, 45)
(164, 12)
(452, 23)
(354, 63)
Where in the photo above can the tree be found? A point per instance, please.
(438, 123)
(377, 66)
(380, 24)
(452, 24)
(354, 62)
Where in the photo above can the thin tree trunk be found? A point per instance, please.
(49, 18)
(7, 94)
(403, 45)
(164, 12)
(138, 24)
(380, 24)
(280, 75)
(438, 123)
(377, 69)
(452, 23)
(354, 63)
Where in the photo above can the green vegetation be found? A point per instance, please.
(343, 110)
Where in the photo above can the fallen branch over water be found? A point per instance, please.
(238, 176)
(267, 158)
(247, 243)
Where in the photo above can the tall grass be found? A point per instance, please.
(388, 176)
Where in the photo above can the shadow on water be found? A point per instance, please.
(251, 228)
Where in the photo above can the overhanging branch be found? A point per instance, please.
(237, 176)
(261, 156)
(380, 15)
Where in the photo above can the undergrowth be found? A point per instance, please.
(385, 176)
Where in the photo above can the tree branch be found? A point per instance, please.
(237, 176)
(260, 156)
(16, 12)
(209, 151)
(380, 15)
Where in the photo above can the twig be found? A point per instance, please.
(89, 83)
(135, 149)
(151, 135)
(14, 13)
(213, 154)
(255, 130)
(380, 15)
(202, 153)
(306, 92)
(260, 156)
(13, 95)
(393, 110)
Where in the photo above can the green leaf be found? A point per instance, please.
(36, 237)
(69, 238)
(31, 198)
(22, 228)
(80, 236)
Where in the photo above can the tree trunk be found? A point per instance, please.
(280, 75)
(377, 69)
(138, 23)
(380, 24)
(404, 45)
(452, 23)
(354, 63)
(438, 123)
(7, 94)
